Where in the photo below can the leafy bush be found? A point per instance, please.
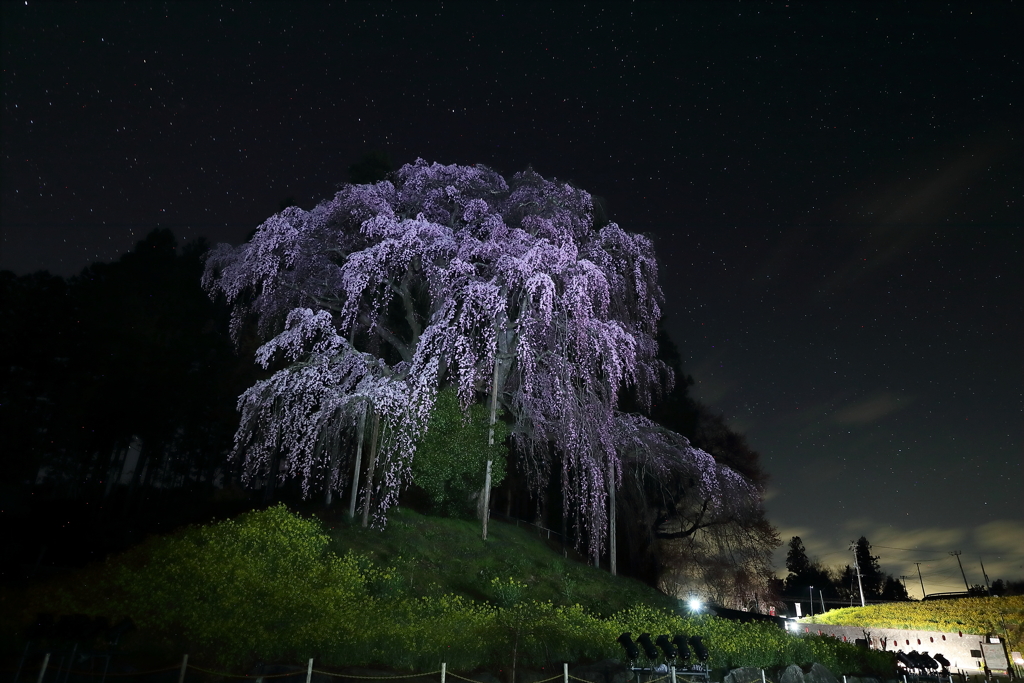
(452, 456)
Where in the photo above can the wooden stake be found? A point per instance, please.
(486, 513)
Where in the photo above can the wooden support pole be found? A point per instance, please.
(373, 465)
(486, 512)
(42, 669)
(359, 462)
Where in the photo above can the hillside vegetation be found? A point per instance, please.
(1000, 616)
(274, 586)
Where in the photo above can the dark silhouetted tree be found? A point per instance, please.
(893, 589)
(371, 168)
(805, 573)
(872, 577)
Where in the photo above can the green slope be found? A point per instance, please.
(436, 555)
(276, 586)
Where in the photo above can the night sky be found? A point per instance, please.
(836, 192)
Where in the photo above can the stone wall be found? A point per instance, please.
(957, 647)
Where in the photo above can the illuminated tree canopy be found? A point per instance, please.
(451, 276)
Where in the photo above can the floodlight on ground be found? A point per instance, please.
(666, 646)
(682, 648)
(694, 605)
(698, 648)
(626, 640)
(650, 651)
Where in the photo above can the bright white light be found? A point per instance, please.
(694, 605)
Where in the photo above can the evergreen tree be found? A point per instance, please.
(796, 559)
(803, 573)
(871, 574)
(893, 589)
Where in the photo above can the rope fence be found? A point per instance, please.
(63, 675)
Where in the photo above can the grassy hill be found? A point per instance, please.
(432, 556)
(273, 585)
(1001, 616)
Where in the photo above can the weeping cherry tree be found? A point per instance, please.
(449, 276)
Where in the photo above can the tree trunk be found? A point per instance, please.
(359, 463)
(485, 512)
(334, 446)
(373, 465)
(275, 463)
(275, 466)
(116, 471)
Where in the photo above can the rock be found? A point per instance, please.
(746, 674)
(819, 674)
(605, 671)
(792, 674)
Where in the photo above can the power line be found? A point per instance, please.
(911, 550)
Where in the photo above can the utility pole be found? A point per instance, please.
(988, 585)
(904, 579)
(956, 554)
(853, 547)
(923, 594)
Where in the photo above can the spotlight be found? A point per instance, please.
(666, 647)
(684, 650)
(626, 640)
(648, 646)
(694, 605)
(698, 648)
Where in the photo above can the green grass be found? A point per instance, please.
(437, 555)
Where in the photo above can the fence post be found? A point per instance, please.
(309, 671)
(565, 672)
(184, 665)
(674, 675)
(763, 681)
(444, 667)
(42, 669)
